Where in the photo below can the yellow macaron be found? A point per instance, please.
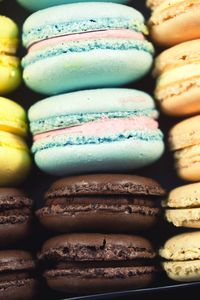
(10, 71)
(15, 160)
(153, 3)
(178, 79)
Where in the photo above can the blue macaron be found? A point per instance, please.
(41, 4)
(85, 45)
(102, 130)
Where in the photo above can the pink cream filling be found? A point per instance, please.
(102, 127)
(101, 34)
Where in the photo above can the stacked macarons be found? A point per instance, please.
(83, 46)
(10, 71)
(176, 24)
(100, 217)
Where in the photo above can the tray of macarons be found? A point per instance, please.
(99, 141)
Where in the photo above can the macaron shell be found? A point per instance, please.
(105, 67)
(38, 4)
(182, 247)
(183, 270)
(189, 217)
(15, 159)
(116, 156)
(179, 28)
(184, 196)
(97, 285)
(10, 74)
(12, 117)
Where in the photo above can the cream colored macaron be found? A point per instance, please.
(182, 253)
(184, 140)
(183, 206)
(178, 79)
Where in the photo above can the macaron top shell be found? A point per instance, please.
(80, 17)
(185, 133)
(8, 36)
(78, 247)
(184, 196)
(12, 117)
(105, 184)
(38, 4)
(182, 247)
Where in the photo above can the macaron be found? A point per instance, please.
(177, 72)
(183, 206)
(16, 216)
(175, 21)
(95, 131)
(41, 4)
(15, 158)
(10, 72)
(101, 203)
(184, 139)
(85, 45)
(17, 279)
(93, 263)
(182, 254)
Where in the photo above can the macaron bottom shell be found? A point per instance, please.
(81, 70)
(114, 156)
(10, 74)
(139, 277)
(15, 165)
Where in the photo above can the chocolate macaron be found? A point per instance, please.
(17, 278)
(15, 216)
(93, 263)
(106, 203)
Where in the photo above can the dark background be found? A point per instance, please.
(163, 171)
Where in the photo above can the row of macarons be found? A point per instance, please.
(117, 206)
(60, 44)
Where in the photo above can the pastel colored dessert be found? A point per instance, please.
(95, 130)
(10, 72)
(17, 279)
(153, 3)
(178, 83)
(183, 206)
(16, 214)
(94, 263)
(41, 4)
(101, 203)
(85, 45)
(175, 21)
(182, 254)
(184, 139)
(15, 158)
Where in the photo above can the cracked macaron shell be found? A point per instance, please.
(178, 80)
(175, 22)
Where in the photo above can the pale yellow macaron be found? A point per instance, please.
(182, 206)
(182, 253)
(178, 79)
(10, 70)
(15, 160)
(184, 140)
(175, 21)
